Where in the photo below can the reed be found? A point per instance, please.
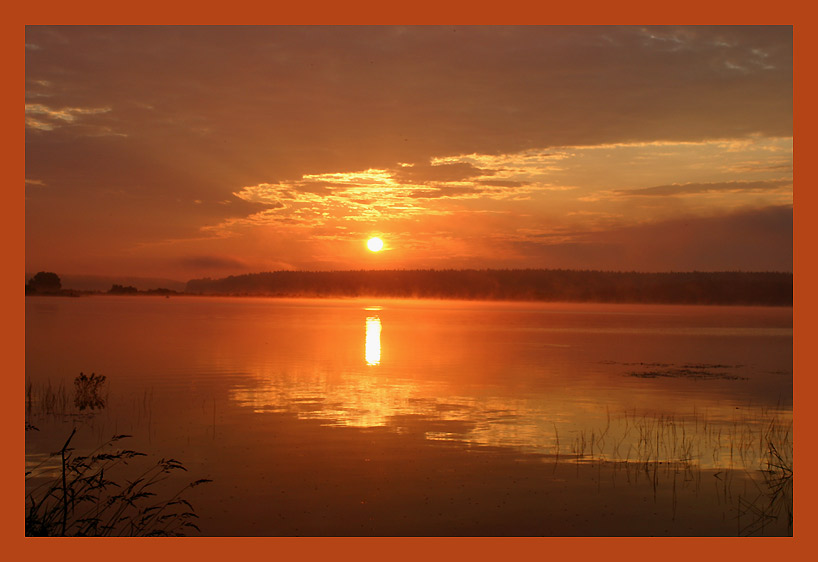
(757, 445)
(744, 442)
(89, 395)
(85, 500)
(773, 499)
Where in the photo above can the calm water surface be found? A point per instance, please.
(390, 417)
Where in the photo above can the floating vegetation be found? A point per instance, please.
(698, 371)
(709, 366)
(84, 500)
(686, 373)
(641, 364)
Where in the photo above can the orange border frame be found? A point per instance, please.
(417, 12)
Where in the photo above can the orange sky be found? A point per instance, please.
(191, 152)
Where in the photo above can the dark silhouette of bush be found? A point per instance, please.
(160, 291)
(87, 392)
(44, 282)
(122, 290)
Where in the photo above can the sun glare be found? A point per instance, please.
(374, 244)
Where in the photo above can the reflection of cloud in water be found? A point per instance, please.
(45, 465)
(716, 437)
(368, 401)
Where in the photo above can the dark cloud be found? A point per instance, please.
(420, 173)
(319, 187)
(500, 183)
(280, 101)
(763, 168)
(750, 240)
(687, 188)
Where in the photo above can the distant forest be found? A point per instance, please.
(729, 287)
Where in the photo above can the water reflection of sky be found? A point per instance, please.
(711, 434)
(224, 385)
(710, 437)
(519, 375)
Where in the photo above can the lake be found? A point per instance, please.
(379, 417)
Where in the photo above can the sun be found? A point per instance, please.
(374, 244)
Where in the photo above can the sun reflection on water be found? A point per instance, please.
(556, 422)
(373, 340)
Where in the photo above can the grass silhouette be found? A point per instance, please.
(84, 500)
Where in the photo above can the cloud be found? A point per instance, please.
(500, 183)
(690, 188)
(400, 107)
(41, 117)
(38, 124)
(458, 171)
(67, 114)
(450, 191)
(363, 194)
(750, 239)
(307, 127)
(272, 195)
(565, 184)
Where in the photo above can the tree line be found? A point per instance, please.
(726, 287)
(49, 283)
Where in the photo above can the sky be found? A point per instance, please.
(188, 152)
